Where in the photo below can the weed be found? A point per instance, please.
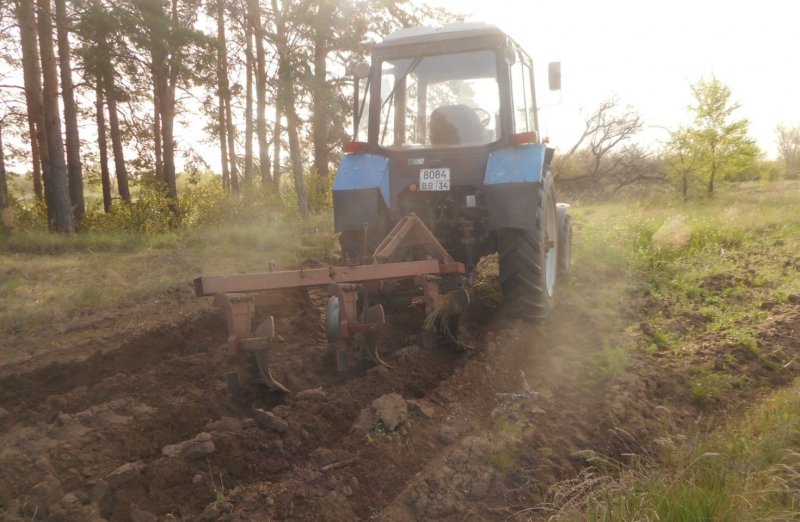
(709, 385)
(379, 433)
(220, 495)
(660, 339)
(745, 338)
(503, 459)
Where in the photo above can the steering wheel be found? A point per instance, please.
(483, 116)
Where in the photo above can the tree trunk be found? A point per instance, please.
(36, 160)
(221, 119)
(261, 93)
(120, 169)
(222, 127)
(231, 145)
(292, 123)
(74, 169)
(105, 175)
(320, 94)
(3, 180)
(712, 175)
(167, 124)
(225, 97)
(685, 186)
(286, 98)
(248, 108)
(231, 142)
(167, 69)
(276, 147)
(223, 144)
(157, 134)
(56, 180)
(32, 75)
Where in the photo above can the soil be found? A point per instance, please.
(135, 423)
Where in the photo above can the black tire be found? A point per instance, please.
(527, 259)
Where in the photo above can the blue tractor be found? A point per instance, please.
(452, 170)
(452, 136)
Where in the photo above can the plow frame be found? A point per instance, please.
(239, 294)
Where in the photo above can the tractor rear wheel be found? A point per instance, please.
(528, 260)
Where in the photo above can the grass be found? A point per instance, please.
(747, 470)
(707, 270)
(708, 384)
(47, 280)
(721, 258)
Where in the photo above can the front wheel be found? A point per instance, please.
(528, 260)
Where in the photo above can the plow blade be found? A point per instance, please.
(260, 345)
(374, 315)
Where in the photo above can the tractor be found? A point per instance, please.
(452, 135)
(452, 170)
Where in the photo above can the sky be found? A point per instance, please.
(648, 53)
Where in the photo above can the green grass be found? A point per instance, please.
(47, 280)
(748, 470)
(693, 273)
(720, 258)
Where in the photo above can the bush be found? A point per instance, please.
(27, 216)
(148, 213)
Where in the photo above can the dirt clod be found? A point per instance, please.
(125, 473)
(281, 411)
(421, 408)
(391, 410)
(139, 515)
(199, 446)
(268, 421)
(42, 495)
(448, 434)
(313, 394)
(408, 353)
(337, 508)
(225, 424)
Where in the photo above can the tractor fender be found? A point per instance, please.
(363, 171)
(511, 182)
(360, 192)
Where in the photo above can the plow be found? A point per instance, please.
(352, 325)
(452, 170)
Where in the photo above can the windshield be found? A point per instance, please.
(439, 101)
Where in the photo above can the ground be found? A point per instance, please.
(134, 422)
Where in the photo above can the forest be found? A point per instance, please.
(90, 92)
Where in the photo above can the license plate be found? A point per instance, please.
(434, 179)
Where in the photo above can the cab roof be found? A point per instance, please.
(437, 34)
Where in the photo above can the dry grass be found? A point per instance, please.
(48, 280)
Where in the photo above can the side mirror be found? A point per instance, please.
(361, 71)
(554, 75)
